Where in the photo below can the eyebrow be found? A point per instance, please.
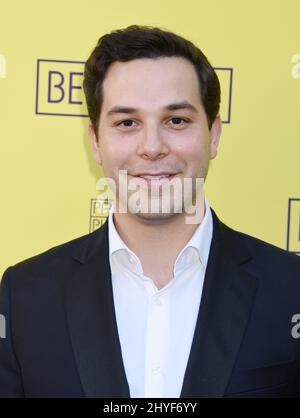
(172, 106)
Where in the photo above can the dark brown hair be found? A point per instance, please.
(146, 42)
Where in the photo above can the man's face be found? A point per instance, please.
(152, 123)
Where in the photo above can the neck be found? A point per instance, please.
(157, 243)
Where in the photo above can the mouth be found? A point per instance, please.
(156, 179)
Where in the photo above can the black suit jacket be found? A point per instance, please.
(62, 338)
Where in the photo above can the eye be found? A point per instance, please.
(127, 123)
(178, 123)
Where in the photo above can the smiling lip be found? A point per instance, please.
(157, 178)
(155, 174)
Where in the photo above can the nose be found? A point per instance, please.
(151, 143)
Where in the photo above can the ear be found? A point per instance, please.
(95, 143)
(215, 133)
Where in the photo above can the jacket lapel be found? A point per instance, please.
(92, 322)
(226, 303)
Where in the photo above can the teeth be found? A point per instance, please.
(154, 177)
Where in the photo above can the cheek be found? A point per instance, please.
(192, 149)
(115, 154)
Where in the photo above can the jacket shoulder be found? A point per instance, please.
(53, 259)
(270, 257)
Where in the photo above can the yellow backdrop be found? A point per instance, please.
(48, 176)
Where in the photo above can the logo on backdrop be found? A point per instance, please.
(59, 89)
(99, 211)
(2, 66)
(296, 67)
(293, 226)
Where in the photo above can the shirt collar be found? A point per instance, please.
(199, 245)
(115, 241)
(197, 248)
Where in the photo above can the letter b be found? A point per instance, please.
(58, 86)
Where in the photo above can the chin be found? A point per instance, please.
(155, 217)
(156, 212)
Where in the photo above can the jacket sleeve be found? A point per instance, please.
(10, 372)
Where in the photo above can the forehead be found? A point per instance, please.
(150, 83)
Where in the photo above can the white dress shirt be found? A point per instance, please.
(156, 327)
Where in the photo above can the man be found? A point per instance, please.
(153, 304)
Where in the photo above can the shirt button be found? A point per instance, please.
(157, 302)
(156, 369)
